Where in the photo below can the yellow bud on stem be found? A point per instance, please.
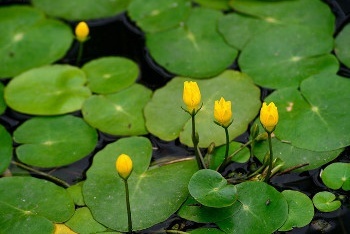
(191, 95)
(269, 116)
(124, 166)
(82, 31)
(223, 112)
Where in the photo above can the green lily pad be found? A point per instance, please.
(29, 39)
(110, 74)
(166, 119)
(83, 222)
(312, 121)
(336, 176)
(301, 210)
(159, 15)
(325, 201)
(30, 205)
(218, 4)
(157, 192)
(2, 101)
(88, 9)
(54, 141)
(210, 188)
(75, 191)
(263, 210)
(341, 47)
(199, 50)
(194, 211)
(118, 113)
(285, 56)
(48, 90)
(206, 231)
(5, 149)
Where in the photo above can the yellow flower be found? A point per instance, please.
(223, 112)
(124, 166)
(82, 31)
(269, 116)
(191, 95)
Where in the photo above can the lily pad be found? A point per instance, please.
(301, 210)
(312, 121)
(118, 113)
(211, 189)
(166, 119)
(218, 4)
(5, 149)
(75, 191)
(285, 56)
(88, 9)
(159, 15)
(157, 192)
(336, 176)
(325, 201)
(29, 39)
(2, 101)
(54, 141)
(199, 51)
(48, 90)
(341, 48)
(83, 222)
(263, 210)
(110, 74)
(30, 205)
(206, 231)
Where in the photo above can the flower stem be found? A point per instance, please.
(127, 201)
(80, 53)
(270, 158)
(53, 178)
(195, 140)
(227, 143)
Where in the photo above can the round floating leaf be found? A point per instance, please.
(263, 210)
(54, 141)
(83, 222)
(75, 191)
(157, 192)
(2, 101)
(118, 113)
(49, 90)
(284, 56)
(218, 4)
(29, 205)
(194, 49)
(206, 231)
(159, 15)
(166, 119)
(5, 149)
(301, 210)
(325, 201)
(30, 40)
(336, 176)
(315, 118)
(194, 211)
(110, 74)
(210, 188)
(82, 9)
(341, 48)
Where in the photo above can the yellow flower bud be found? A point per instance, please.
(124, 166)
(223, 112)
(82, 31)
(191, 95)
(269, 116)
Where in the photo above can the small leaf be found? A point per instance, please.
(75, 191)
(336, 176)
(341, 47)
(325, 201)
(83, 222)
(5, 149)
(210, 188)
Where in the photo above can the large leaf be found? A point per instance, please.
(54, 141)
(166, 119)
(118, 113)
(263, 210)
(285, 56)
(5, 149)
(194, 49)
(316, 117)
(29, 39)
(158, 15)
(82, 9)
(336, 176)
(30, 206)
(48, 90)
(155, 193)
(341, 47)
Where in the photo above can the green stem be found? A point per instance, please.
(227, 143)
(199, 158)
(127, 200)
(80, 53)
(270, 158)
(53, 178)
